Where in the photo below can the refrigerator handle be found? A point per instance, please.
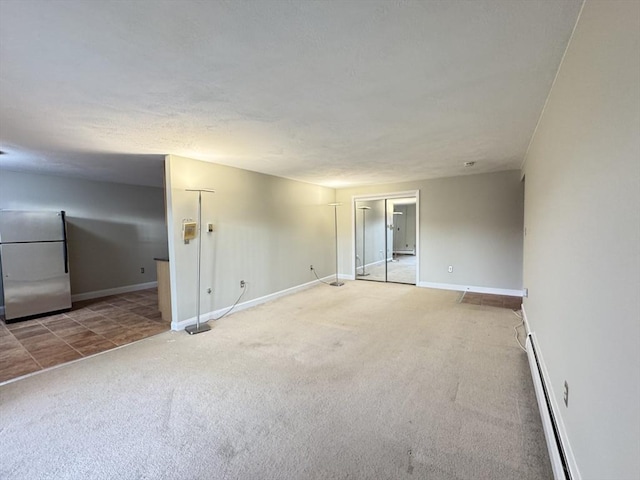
(64, 238)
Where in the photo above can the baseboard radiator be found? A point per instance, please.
(554, 443)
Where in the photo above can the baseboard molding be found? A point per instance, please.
(205, 317)
(470, 288)
(557, 440)
(372, 264)
(112, 291)
(525, 320)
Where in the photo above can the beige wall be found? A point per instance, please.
(268, 231)
(113, 229)
(472, 222)
(582, 248)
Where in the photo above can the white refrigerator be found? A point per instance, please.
(35, 263)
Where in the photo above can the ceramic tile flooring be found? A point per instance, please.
(92, 326)
(501, 301)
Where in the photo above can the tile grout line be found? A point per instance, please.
(137, 329)
(26, 350)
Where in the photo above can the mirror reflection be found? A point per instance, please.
(385, 232)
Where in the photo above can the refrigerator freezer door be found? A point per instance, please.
(17, 226)
(34, 279)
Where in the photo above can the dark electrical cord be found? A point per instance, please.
(314, 272)
(232, 306)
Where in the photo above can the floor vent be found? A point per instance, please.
(557, 454)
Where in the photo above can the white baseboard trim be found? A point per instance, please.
(541, 376)
(112, 291)
(204, 317)
(470, 288)
(525, 320)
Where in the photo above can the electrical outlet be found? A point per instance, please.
(566, 394)
(310, 267)
(141, 269)
(450, 268)
(242, 284)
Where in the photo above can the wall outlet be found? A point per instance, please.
(566, 394)
(242, 284)
(141, 269)
(450, 268)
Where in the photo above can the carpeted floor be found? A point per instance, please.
(365, 381)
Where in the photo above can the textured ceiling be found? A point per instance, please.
(334, 93)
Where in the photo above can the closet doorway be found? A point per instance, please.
(386, 237)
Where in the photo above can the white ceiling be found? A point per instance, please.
(333, 93)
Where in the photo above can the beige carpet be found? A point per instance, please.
(365, 381)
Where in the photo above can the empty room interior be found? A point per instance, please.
(320, 240)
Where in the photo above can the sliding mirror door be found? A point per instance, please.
(370, 240)
(402, 268)
(386, 239)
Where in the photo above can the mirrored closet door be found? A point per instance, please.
(385, 240)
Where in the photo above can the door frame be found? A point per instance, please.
(384, 196)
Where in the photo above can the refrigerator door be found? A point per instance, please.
(34, 279)
(17, 226)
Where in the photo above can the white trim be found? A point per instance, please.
(204, 317)
(418, 248)
(525, 320)
(113, 291)
(471, 288)
(173, 281)
(562, 431)
(383, 196)
(545, 417)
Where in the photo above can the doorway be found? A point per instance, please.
(386, 232)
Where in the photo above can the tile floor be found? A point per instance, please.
(501, 301)
(92, 326)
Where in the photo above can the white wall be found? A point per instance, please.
(472, 222)
(268, 231)
(113, 229)
(582, 248)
